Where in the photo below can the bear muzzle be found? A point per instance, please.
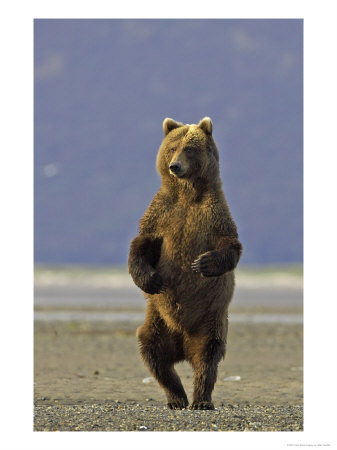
(176, 169)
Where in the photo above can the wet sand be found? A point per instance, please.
(89, 376)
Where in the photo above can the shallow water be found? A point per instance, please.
(246, 297)
(101, 316)
(93, 298)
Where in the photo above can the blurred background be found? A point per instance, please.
(102, 89)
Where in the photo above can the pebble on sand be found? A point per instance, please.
(148, 380)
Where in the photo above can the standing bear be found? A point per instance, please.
(183, 260)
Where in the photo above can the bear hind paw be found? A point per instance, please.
(202, 406)
(177, 404)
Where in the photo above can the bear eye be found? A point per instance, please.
(188, 149)
(173, 149)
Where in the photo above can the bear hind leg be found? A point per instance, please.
(160, 350)
(205, 365)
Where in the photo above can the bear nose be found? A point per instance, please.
(175, 167)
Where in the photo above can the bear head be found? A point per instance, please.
(188, 152)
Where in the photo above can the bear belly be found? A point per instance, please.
(179, 250)
(189, 297)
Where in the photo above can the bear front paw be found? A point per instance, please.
(154, 284)
(210, 264)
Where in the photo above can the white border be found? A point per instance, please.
(17, 220)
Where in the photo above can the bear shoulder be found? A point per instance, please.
(161, 204)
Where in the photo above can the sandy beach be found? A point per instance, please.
(89, 376)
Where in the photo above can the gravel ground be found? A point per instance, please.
(117, 416)
(89, 377)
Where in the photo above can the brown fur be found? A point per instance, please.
(183, 259)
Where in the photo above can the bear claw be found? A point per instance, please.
(196, 265)
(202, 406)
(178, 404)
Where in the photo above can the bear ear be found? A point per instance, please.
(170, 124)
(206, 125)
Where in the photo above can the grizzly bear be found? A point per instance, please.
(183, 260)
